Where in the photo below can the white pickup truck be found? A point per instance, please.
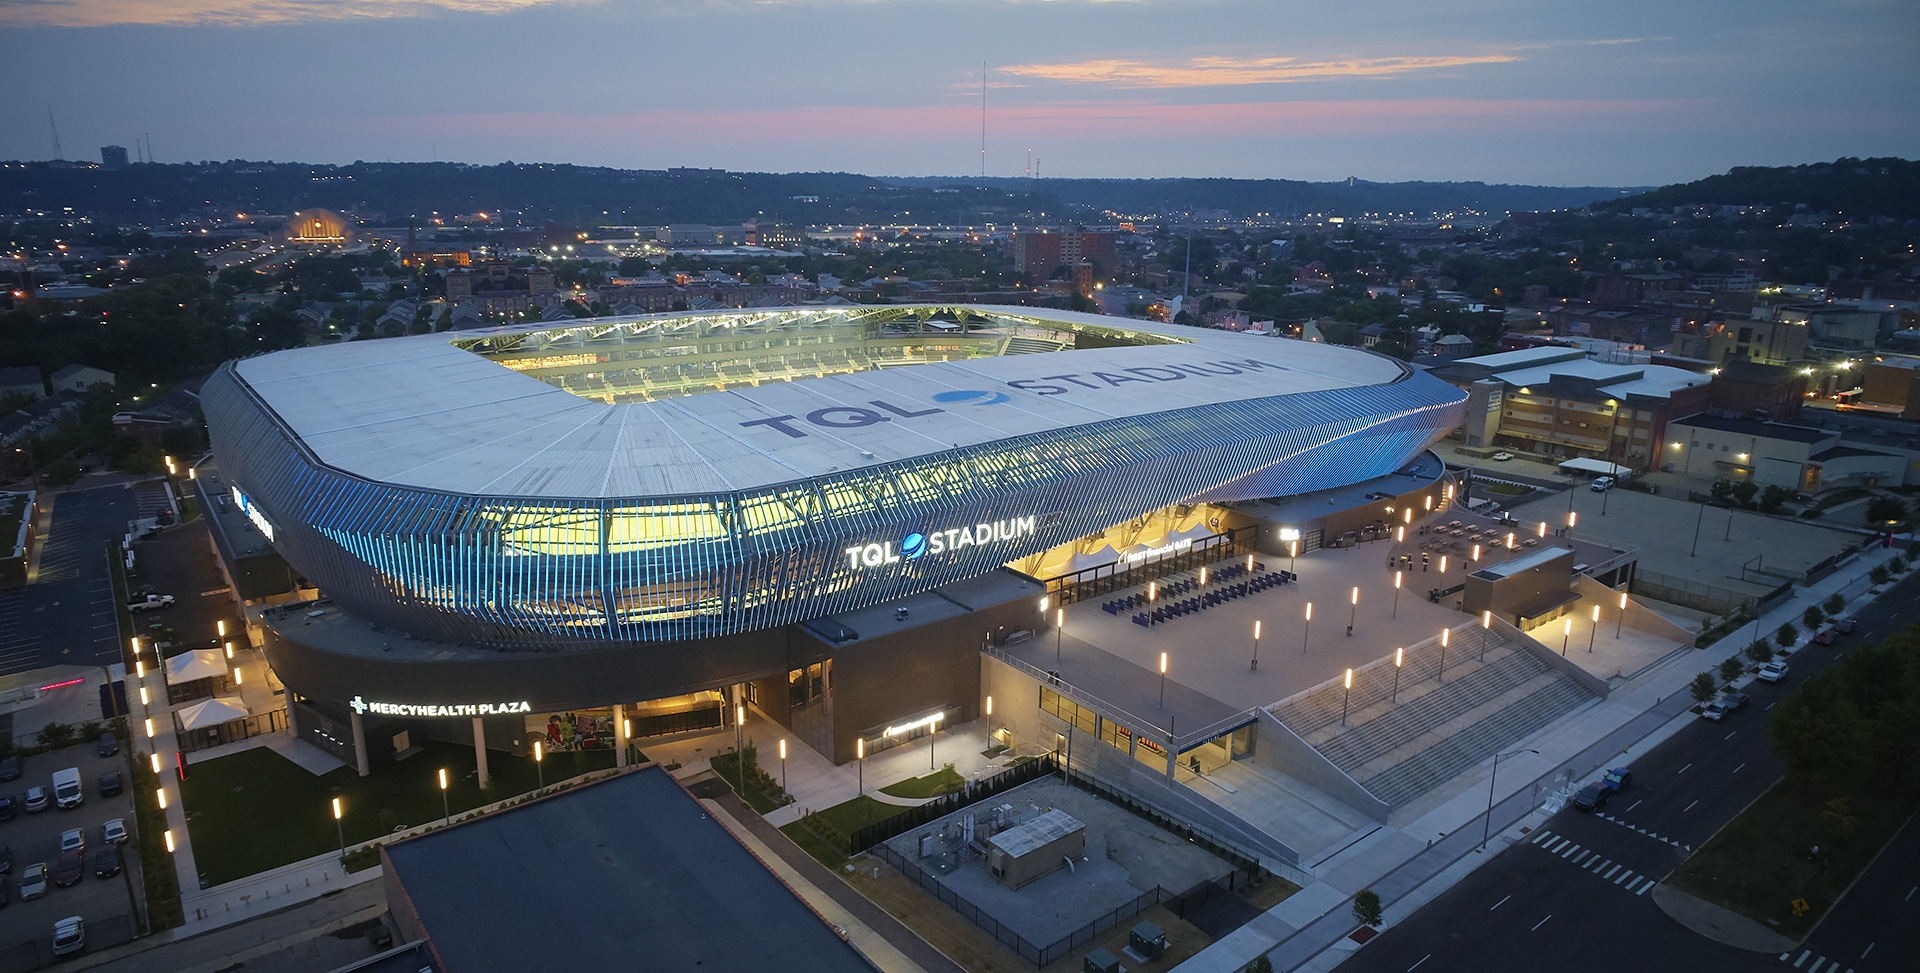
(140, 603)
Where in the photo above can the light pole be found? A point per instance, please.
(539, 769)
(1346, 699)
(1622, 617)
(445, 808)
(1354, 602)
(1163, 680)
(1397, 575)
(1696, 529)
(860, 762)
(1256, 645)
(1293, 557)
(1399, 658)
(1153, 594)
(783, 750)
(1476, 554)
(1486, 625)
(740, 744)
(1443, 564)
(1306, 627)
(1595, 629)
(1203, 576)
(1486, 829)
(1446, 634)
(338, 828)
(933, 731)
(1566, 634)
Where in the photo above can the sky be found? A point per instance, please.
(1550, 92)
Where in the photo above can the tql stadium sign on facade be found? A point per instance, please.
(917, 545)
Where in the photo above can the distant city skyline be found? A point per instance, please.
(1502, 91)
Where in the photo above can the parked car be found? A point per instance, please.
(1724, 704)
(106, 861)
(107, 746)
(1827, 636)
(1592, 797)
(1773, 672)
(1618, 778)
(69, 869)
(37, 800)
(6, 860)
(147, 602)
(69, 936)
(10, 767)
(9, 807)
(1501, 456)
(1601, 484)
(33, 881)
(73, 839)
(114, 831)
(110, 783)
(1845, 625)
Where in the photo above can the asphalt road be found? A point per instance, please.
(1574, 894)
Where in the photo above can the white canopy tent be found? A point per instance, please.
(212, 712)
(198, 664)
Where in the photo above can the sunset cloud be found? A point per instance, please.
(1202, 72)
(238, 13)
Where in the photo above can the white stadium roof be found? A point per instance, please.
(421, 411)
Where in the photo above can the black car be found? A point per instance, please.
(1592, 797)
(68, 870)
(6, 861)
(110, 783)
(8, 807)
(10, 768)
(108, 746)
(106, 861)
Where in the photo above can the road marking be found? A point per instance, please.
(1689, 807)
(1562, 844)
(1869, 949)
(1604, 863)
(1541, 922)
(1632, 806)
(1416, 966)
(1644, 888)
(1683, 769)
(1910, 892)
(1502, 902)
(1802, 959)
(1610, 871)
(1817, 961)
(1570, 851)
(1729, 735)
(1737, 769)
(1769, 706)
(1542, 836)
(1623, 876)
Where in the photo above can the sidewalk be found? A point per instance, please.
(1430, 846)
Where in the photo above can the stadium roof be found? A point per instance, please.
(421, 411)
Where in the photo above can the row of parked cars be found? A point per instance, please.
(69, 864)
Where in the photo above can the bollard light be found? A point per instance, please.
(1543, 528)
(229, 650)
(336, 809)
(236, 677)
(220, 627)
(153, 760)
(168, 834)
(160, 794)
(149, 722)
(139, 669)
(1486, 618)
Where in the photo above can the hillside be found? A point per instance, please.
(1856, 187)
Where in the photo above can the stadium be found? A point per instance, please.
(815, 510)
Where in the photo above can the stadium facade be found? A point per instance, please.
(617, 512)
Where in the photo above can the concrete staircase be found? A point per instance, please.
(1030, 346)
(1401, 744)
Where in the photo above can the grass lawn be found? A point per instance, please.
(851, 816)
(1506, 489)
(230, 799)
(826, 835)
(932, 785)
(1763, 859)
(821, 850)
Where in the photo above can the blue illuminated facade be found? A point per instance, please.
(547, 575)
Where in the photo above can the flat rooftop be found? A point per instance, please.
(424, 411)
(626, 873)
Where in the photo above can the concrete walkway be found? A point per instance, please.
(1718, 924)
(1433, 843)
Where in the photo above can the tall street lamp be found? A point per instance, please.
(1486, 625)
(1163, 679)
(1346, 699)
(783, 748)
(339, 828)
(1059, 632)
(740, 745)
(1305, 627)
(1256, 645)
(1486, 828)
(1354, 601)
(445, 809)
(1596, 628)
(1153, 594)
(539, 768)
(1622, 617)
(1397, 575)
(1399, 658)
(1566, 634)
(860, 762)
(1445, 635)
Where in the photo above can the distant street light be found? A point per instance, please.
(1594, 629)
(1622, 617)
(1256, 645)
(1354, 610)
(1163, 679)
(539, 768)
(1486, 829)
(1306, 627)
(1566, 634)
(444, 808)
(339, 828)
(1347, 699)
(1399, 658)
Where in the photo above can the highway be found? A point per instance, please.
(1575, 893)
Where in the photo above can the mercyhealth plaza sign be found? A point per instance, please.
(430, 709)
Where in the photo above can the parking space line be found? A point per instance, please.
(1502, 902)
(1542, 922)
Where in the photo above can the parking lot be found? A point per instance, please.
(106, 904)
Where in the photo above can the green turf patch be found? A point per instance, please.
(943, 781)
(1505, 489)
(819, 848)
(1764, 860)
(762, 792)
(255, 810)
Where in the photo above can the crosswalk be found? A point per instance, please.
(1820, 964)
(1633, 827)
(1592, 861)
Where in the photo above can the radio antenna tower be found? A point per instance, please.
(983, 119)
(55, 129)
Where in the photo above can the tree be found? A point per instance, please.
(1786, 635)
(1760, 652)
(1703, 687)
(1366, 908)
(1812, 617)
(1722, 490)
(1773, 497)
(1260, 964)
(1835, 605)
(1819, 734)
(1730, 668)
(1743, 493)
(1886, 510)
(1879, 574)
(1898, 565)
(53, 736)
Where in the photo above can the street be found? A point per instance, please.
(1574, 894)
